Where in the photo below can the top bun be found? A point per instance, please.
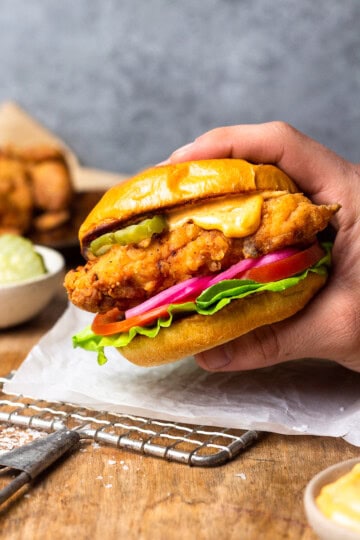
(167, 186)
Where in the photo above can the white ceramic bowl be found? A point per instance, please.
(20, 302)
(324, 527)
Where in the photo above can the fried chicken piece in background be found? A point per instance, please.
(16, 199)
(50, 184)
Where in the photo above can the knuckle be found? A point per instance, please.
(341, 341)
(282, 128)
(349, 328)
(267, 343)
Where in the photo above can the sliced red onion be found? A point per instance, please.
(180, 292)
(239, 268)
(276, 256)
(234, 270)
(194, 286)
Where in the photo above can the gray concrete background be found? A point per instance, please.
(126, 82)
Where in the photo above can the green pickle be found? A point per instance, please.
(133, 234)
(18, 260)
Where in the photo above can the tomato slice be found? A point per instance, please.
(285, 267)
(106, 324)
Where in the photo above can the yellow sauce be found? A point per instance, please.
(340, 500)
(236, 216)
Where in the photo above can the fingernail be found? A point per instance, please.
(182, 149)
(217, 358)
(176, 154)
(165, 162)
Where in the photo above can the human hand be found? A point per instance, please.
(329, 327)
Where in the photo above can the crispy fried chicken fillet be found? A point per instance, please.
(127, 275)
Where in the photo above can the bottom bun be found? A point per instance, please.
(197, 333)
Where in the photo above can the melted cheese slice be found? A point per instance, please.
(340, 501)
(236, 216)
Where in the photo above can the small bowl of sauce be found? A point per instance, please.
(30, 276)
(332, 501)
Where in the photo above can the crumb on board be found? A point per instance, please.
(14, 437)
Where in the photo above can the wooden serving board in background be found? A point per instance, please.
(65, 238)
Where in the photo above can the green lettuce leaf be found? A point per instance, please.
(208, 302)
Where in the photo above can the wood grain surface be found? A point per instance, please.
(103, 493)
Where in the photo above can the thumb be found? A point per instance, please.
(310, 164)
(313, 332)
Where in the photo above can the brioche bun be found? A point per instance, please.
(168, 186)
(197, 333)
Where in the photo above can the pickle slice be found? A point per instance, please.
(18, 259)
(133, 234)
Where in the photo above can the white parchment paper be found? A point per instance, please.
(303, 397)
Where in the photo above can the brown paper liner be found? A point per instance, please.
(19, 129)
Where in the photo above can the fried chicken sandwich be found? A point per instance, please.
(182, 258)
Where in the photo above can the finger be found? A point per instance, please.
(315, 332)
(310, 164)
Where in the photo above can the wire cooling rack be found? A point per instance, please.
(201, 446)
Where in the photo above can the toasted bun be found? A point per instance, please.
(168, 186)
(197, 333)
